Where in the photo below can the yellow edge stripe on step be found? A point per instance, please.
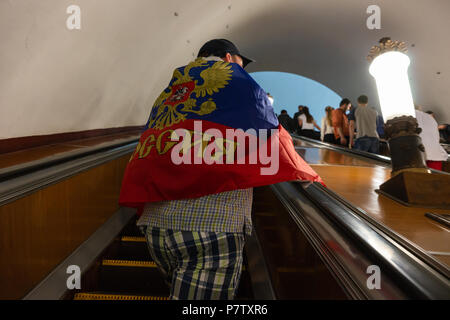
(128, 263)
(133, 239)
(98, 296)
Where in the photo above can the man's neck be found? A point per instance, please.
(212, 58)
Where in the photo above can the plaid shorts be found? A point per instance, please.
(197, 265)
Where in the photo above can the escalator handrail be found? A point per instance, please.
(411, 275)
(33, 166)
(21, 183)
(418, 251)
(377, 157)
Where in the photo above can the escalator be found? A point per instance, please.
(125, 271)
(296, 270)
(308, 242)
(310, 245)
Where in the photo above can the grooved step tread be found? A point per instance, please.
(265, 214)
(132, 239)
(102, 296)
(128, 263)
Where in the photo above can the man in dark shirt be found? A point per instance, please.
(296, 127)
(286, 121)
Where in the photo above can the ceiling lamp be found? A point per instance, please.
(412, 183)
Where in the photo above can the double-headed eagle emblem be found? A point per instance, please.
(173, 106)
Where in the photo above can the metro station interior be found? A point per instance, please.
(78, 80)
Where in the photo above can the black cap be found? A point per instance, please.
(219, 48)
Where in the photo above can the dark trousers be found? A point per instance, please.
(368, 144)
(338, 141)
(310, 134)
(329, 138)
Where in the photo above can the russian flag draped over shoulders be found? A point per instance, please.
(211, 130)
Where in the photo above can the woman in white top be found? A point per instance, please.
(327, 133)
(435, 153)
(307, 123)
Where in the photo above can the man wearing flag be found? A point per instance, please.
(211, 136)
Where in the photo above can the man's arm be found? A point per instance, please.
(322, 130)
(342, 137)
(351, 126)
(351, 133)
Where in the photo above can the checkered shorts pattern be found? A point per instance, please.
(198, 265)
(228, 211)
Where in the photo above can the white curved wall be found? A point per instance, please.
(107, 74)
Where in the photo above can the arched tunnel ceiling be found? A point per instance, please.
(109, 73)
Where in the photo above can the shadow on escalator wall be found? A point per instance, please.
(295, 269)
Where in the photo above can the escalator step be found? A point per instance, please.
(265, 214)
(102, 296)
(131, 277)
(128, 263)
(132, 230)
(133, 239)
(128, 250)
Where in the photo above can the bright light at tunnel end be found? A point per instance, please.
(390, 71)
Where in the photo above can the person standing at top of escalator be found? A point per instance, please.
(269, 96)
(380, 126)
(297, 128)
(444, 132)
(340, 123)
(350, 113)
(326, 132)
(286, 121)
(434, 152)
(364, 119)
(307, 123)
(444, 129)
